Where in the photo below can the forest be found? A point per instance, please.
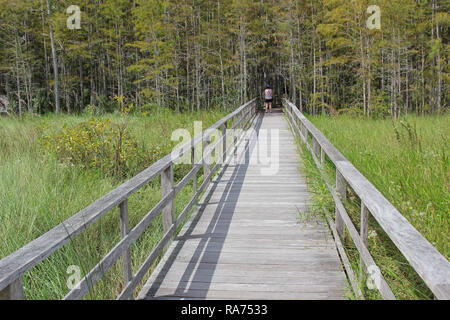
(66, 56)
(91, 90)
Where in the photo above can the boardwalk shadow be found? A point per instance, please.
(210, 244)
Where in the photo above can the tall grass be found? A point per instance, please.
(37, 192)
(406, 160)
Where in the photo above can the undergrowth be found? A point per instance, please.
(407, 161)
(51, 167)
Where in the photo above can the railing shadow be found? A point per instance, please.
(220, 222)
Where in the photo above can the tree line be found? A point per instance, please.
(200, 54)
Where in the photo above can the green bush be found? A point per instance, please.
(104, 105)
(96, 144)
(42, 102)
(353, 112)
(381, 107)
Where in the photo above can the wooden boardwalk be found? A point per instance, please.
(253, 236)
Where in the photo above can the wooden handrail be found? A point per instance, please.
(16, 264)
(426, 260)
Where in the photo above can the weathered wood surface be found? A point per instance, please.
(16, 264)
(426, 260)
(248, 241)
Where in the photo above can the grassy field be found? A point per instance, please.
(408, 161)
(38, 191)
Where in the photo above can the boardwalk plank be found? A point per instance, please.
(248, 239)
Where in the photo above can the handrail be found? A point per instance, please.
(426, 260)
(16, 264)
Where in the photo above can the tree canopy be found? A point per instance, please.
(201, 54)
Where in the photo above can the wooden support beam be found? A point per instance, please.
(341, 189)
(224, 144)
(207, 158)
(341, 185)
(364, 232)
(14, 291)
(194, 163)
(316, 147)
(124, 230)
(167, 186)
(239, 119)
(322, 156)
(235, 139)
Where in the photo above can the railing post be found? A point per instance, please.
(13, 291)
(240, 120)
(364, 233)
(224, 144)
(315, 146)
(206, 159)
(168, 212)
(300, 128)
(322, 156)
(194, 164)
(234, 138)
(341, 188)
(124, 230)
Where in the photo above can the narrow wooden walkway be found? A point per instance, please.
(252, 237)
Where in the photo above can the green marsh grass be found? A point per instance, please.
(406, 160)
(37, 192)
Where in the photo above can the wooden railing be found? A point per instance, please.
(426, 260)
(15, 265)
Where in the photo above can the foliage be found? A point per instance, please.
(351, 112)
(106, 105)
(407, 162)
(380, 106)
(200, 55)
(407, 134)
(96, 144)
(39, 191)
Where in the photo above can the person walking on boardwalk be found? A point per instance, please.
(268, 96)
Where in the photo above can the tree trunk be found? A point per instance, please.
(18, 74)
(55, 60)
(47, 72)
(439, 88)
(222, 76)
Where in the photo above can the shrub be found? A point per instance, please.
(353, 112)
(105, 105)
(380, 107)
(42, 102)
(96, 144)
